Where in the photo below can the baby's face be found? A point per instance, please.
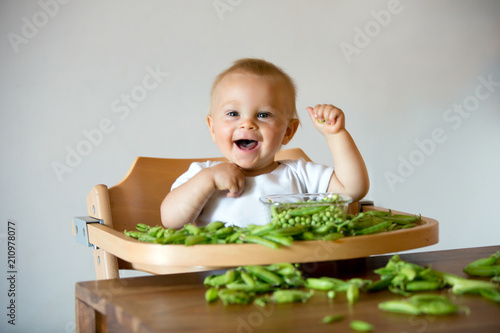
(248, 122)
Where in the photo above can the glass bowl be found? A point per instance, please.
(307, 208)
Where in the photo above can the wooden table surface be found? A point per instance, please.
(176, 303)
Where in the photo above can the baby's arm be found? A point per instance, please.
(185, 203)
(350, 176)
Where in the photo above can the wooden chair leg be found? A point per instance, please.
(98, 206)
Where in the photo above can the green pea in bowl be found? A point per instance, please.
(306, 209)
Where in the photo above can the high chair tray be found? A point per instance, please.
(159, 259)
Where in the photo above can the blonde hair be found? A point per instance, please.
(266, 70)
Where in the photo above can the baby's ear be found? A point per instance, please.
(290, 131)
(210, 123)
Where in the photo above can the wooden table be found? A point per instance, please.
(176, 303)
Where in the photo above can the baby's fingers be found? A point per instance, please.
(236, 187)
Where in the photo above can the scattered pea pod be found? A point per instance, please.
(489, 266)
(422, 304)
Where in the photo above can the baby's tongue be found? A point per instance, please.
(246, 144)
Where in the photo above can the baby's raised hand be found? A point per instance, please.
(228, 177)
(327, 118)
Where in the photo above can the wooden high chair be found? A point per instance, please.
(137, 198)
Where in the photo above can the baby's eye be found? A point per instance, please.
(264, 115)
(232, 113)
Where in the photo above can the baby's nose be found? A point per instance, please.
(248, 123)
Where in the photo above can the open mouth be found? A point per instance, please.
(246, 144)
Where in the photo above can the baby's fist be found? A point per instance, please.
(327, 118)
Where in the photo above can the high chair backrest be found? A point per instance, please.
(137, 198)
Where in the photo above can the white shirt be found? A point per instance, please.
(290, 177)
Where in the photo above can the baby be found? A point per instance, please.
(252, 115)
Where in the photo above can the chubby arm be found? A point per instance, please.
(350, 176)
(185, 203)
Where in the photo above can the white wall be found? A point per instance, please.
(66, 64)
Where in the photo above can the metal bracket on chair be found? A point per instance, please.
(81, 232)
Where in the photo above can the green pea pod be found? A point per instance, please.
(294, 281)
(282, 240)
(332, 318)
(262, 229)
(218, 280)
(133, 234)
(154, 230)
(465, 286)
(399, 307)
(192, 229)
(226, 231)
(195, 239)
(259, 240)
(262, 300)
(380, 284)
(483, 270)
(142, 227)
(323, 283)
(488, 261)
(234, 237)
(211, 295)
(374, 229)
(402, 219)
(264, 275)
(332, 236)
(290, 296)
(146, 238)
(303, 211)
(323, 229)
(362, 326)
(288, 231)
(377, 213)
(307, 235)
(491, 294)
(283, 269)
(213, 226)
(438, 308)
(408, 271)
(259, 287)
(229, 296)
(352, 293)
(248, 279)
